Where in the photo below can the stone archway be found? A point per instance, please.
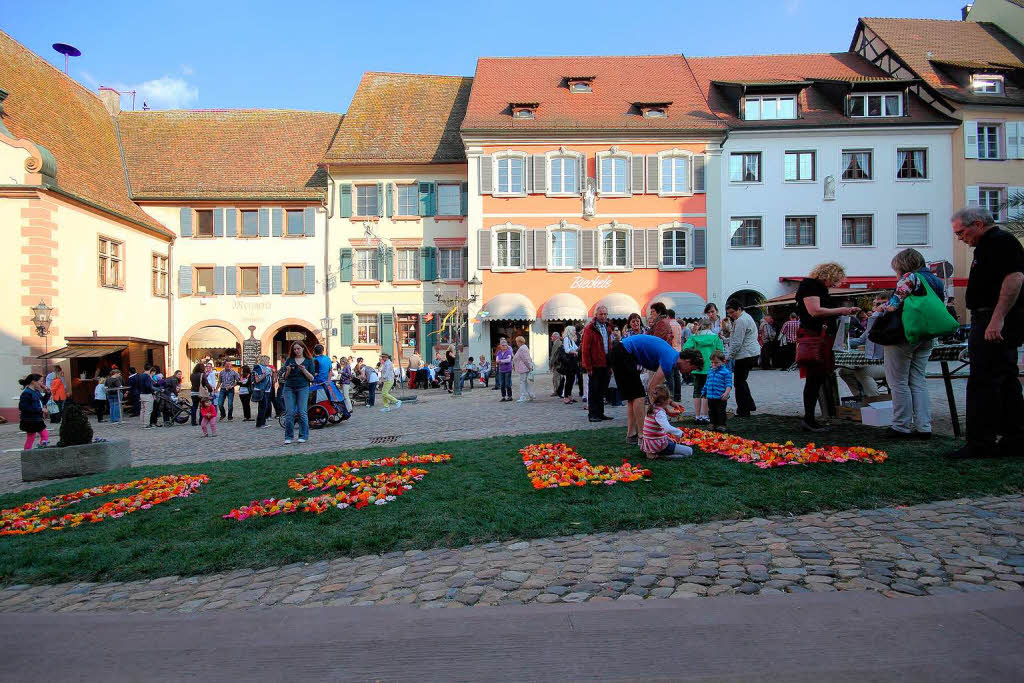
(184, 364)
(267, 338)
(751, 301)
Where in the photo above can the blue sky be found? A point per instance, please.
(303, 55)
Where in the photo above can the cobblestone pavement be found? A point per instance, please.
(434, 416)
(938, 548)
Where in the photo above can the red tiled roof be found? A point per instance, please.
(50, 109)
(816, 106)
(220, 154)
(403, 118)
(619, 83)
(921, 43)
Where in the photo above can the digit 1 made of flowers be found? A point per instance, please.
(37, 516)
(766, 455)
(350, 489)
(553, 465)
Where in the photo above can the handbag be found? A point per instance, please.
(888, 329)
(925, 315)
(204, 392)
(810, 351)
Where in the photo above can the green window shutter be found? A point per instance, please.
(464, 267)
(427, 338)
(230, 222)
(465, 332)
(277, 221)
(380, 199)
(387, 332)
(346, 200)
(389, 265)
(309, 221)
(380, 266)
(465, 199)
(345, 265)
(185, 219)
(346, 329)
(425, 264)
(428, 193)
(390, 199)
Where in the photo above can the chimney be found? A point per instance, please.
(965, 10)
(111, 100)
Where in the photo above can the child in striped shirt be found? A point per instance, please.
(717, 388)
(654, 436)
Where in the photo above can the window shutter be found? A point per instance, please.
(486, 174)
(698, 172)
(639, 252)
(653, 174)
(588, 247)
(185, 222)
(424, 268)
(264, 222)
(380, 266)
(380, 200)
(218, 279)
(345, 265)
(1012, 140)
(970, 139)
(911, 228)
(184, 280)
(230, 280)
(530, 253)
(464, 266)
(346, 329)
(276, 283)
(390, 200)
(653, 248)
(426, 197)
(432, 263)
(389, 265)
(230, 223)
(973, 199)
(582, 174)
(464, 197)
(309, 221)
(387, 332)
(264, 278)
(427, 338)
(218, 222)
(310, 280)
(346, 200)
(540, 248)
(636, 166)
(464, 336)
(540, 174)
(483, 238)
(700, 248)
(277, 221)
(597, 169)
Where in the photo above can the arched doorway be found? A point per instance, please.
(285, 335)
(216, 339)
(751, 301)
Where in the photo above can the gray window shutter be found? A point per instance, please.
(265, 223)
(486, 175)
(277, 221)
(389, 199)
(483, 238)
(653, 248)
(346, 329)
(309, 221)
(264, 279)
(230, 280)
(636, 165)
(700, 256)
(184, 280)
(185, 221)
(639, 252)
(540, 249)
(230, 223)
(698, 172)
(588, 248)
(531, 256)
(310, 279)
(345, 265)
(583, 173)
(597, 171)
(218, 222)
(345, 195)
(276, 280)
(218, 279)
(540, 174)
(653, 174)
(380, 200)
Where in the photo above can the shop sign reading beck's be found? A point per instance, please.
(596, 282)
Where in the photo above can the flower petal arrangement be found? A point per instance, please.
(353, 490)
(766, 455)
(37, 516)
(555, 465)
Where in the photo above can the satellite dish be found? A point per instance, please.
(67, 51)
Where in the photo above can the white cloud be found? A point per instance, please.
(168, 92)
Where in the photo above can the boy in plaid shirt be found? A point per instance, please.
(717, 388)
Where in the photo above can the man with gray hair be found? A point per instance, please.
(594, 348)
(995, 404)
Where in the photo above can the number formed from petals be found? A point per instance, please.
(551, 465)
(37, 516)
(351, 489)
(766, 455)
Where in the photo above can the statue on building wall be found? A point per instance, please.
(589, 198)
(830, 188)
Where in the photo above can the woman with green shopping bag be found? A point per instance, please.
(924, 317)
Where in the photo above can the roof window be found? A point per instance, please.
(524, 110)
(653, 110)
(987, 84)
(580, 84)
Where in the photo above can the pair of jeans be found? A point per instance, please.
(905, 366)
(524, 387)
(995, 402)
(115, 409)
(385, 393)
(469, 376)
(677, 385)
(296, 403)
(504, 382)
(194, 398)
(371, 393)
(262, 410)
(229, 396)
(596, 392)
(485, 376)
(246, 410)
(744, 400)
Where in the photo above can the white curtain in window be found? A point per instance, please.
(750, 173)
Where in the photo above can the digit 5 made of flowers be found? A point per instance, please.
(349, 488)
(551, 465)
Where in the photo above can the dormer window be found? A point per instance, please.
(987, 84)
(768, 107)
(874, 106)
(653, 110)
(580, 84)
(655, 113)
(524, 110)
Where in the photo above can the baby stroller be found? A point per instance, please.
(359, 392)
(179, 409)
(326, 406)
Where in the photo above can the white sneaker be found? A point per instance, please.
(398, 405)
(385, 409)
(301, 440)
(287, 442)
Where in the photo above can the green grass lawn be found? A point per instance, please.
(481, 495)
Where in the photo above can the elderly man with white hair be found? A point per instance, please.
(597, 339)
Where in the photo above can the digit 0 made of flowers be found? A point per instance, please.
(31, 518)
(350, 489)
(765, 455)
(551, 465)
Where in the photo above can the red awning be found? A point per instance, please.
(854, 281)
